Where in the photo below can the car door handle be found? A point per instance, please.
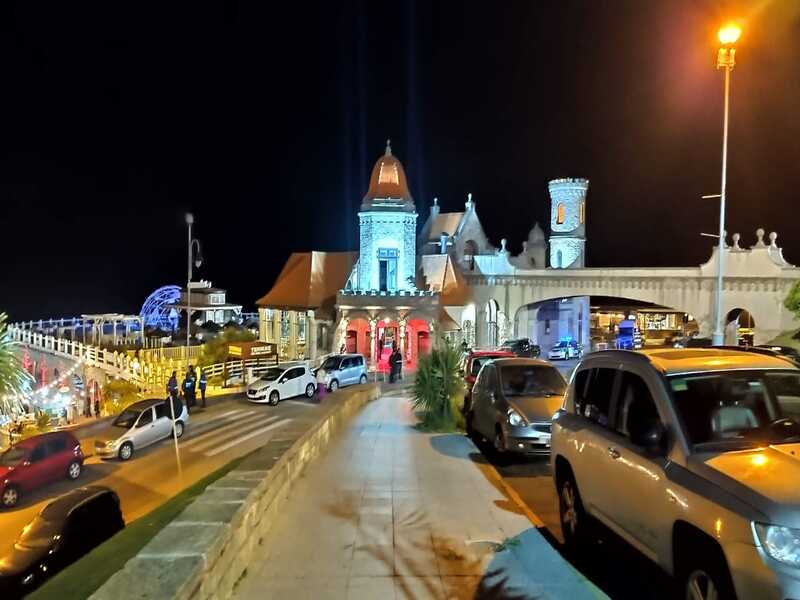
(613, 452)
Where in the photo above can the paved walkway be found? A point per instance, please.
(390, 512)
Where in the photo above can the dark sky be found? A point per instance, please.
(265, 119)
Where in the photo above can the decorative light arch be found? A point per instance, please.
(159, 310)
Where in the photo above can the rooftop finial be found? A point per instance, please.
(388, 147)
(436, 201)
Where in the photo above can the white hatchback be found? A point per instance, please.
(278, 383)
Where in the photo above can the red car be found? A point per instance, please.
(37, 461)
(475, 360)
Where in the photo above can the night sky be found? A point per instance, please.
(265, 119)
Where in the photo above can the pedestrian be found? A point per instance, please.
(172, 386)
(395, 364)
(203, 382)
(97, 407)
(322, 387)
(188, 386)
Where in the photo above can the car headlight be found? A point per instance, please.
(514, 418)
(781, 543)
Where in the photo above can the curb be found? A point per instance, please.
(204, 552)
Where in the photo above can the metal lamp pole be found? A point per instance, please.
(189, 222)
(725, 60)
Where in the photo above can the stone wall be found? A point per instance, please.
(205, 551)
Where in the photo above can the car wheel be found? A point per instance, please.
(126, 451)
(573, 517)
(334, 385)
(11, 496)
(178, 429)
(310, 389)
(707, 577)
(363, 379)
(274, 398)
(74, 470)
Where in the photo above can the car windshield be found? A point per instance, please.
(331, 363)
(477, 363)
(739, 409)
(12, 457)
(127, 418)
(39, 533)
(271, 374)
(531, 380)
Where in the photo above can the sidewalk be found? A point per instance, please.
(391, 512)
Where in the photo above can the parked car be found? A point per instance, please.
(472, 366)
(787, 351)
(522, 348)
(692, 457)
(62, 532)
(279, 383)
(513, 401)
(36, 461)
(343, 369)
(564, 350)
(141, 424)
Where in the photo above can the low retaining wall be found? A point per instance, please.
(204, 552)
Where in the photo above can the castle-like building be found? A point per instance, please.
(409, 288)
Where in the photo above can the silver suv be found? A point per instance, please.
(693, 457)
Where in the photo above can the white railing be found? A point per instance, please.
(180, 353)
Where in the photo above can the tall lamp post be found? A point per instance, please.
(728, 35)
(197, 262)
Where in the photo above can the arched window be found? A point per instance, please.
(491, 323)
(559, 260)
(583, 212)
(560, 214)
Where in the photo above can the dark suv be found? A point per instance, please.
(522, 348)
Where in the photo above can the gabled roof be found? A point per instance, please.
(444, 223)
(310, 281)
(442, 276)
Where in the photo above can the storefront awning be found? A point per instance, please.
(310, 281)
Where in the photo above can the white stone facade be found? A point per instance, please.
(382, 230)
(568, 223)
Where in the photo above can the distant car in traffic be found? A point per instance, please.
(691, 457)
(513, 401)
(36, 461)
(343, 369)
(522, 348)
(62, 532)
(564, 350)
(141, 424)
(279, 383)
(473, 363)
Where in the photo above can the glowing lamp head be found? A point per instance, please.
(729, 34)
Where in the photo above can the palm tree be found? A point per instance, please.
(438, 386)
(14, 380)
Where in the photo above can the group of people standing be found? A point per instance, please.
(189, 386)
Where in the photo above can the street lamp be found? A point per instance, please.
(728, 35)
(192, 245)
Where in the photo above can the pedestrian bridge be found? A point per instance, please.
(756, 279)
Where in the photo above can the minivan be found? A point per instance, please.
(343, 369)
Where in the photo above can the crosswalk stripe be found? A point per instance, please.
(252, 434)
(226, 413)
(301, 403)
(209, 432)
(197, 430)
(223, 433)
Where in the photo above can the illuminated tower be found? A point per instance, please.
(568, 223)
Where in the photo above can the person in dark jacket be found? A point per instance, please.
(395, 364)
(188, 386)
(172, 385)
(203, 382)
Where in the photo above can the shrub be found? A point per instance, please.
(439, 388)
(118, 394)
(216, 350)
(43, 422)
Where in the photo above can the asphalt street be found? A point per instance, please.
(228, 428)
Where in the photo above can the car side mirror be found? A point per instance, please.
(650, 436)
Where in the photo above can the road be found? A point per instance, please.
(614, 566)
(228, 428)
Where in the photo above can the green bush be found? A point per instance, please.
(118, 394)
(216, 350)
(43, 422)
(439, 389)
